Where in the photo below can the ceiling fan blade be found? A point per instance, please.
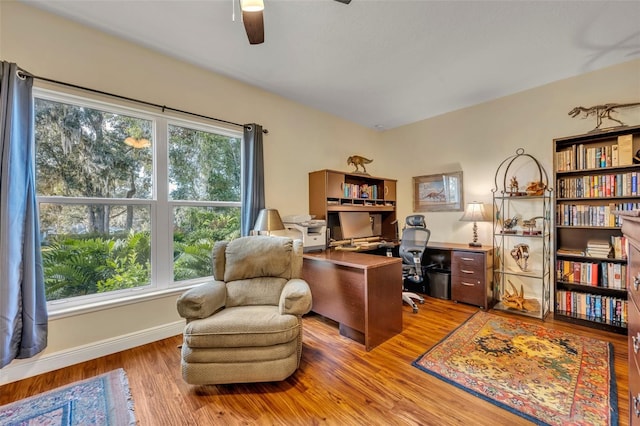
(254, 25)
(344, 1)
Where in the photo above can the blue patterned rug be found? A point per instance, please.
(102, 400)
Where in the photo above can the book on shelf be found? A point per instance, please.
(598, 248)
(597, 253)
(612, 275)
(619, 244)
(625, 150)
(570, 252)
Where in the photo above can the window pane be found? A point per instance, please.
(203, 166)
(89, 249)
(85, 152)
(196, 229)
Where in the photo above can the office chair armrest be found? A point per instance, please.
(295, 298)
(203, 300)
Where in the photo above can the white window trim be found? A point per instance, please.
(161, 209)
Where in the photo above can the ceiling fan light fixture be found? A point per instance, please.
(252, 5)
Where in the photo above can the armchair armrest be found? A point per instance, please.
(295, 298)
(202, 301)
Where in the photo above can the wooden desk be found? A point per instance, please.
(362, 292)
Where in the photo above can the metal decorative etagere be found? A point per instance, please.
(522, 236)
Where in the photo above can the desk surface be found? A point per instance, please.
(457, 246)
(352, 259)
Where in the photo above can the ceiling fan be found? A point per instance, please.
(253, 21)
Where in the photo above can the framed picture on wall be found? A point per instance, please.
(438, 193)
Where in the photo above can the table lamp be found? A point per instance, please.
(268, 220)
(474, 213)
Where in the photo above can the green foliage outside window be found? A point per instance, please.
(86, 156)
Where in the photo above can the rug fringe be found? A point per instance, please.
(124, 380)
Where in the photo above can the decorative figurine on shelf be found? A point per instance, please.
(535, 188)
(509, 224)
(520, 254)
(357, 162)
(364, 191)
(517, 300)
(601, 112)
(530, 224)
(513, 185)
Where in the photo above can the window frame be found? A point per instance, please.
(161, 207)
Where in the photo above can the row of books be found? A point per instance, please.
(581, 157)
(605, 274)
(598, 186)
(611, 310)
(592, 215)
(352, 190)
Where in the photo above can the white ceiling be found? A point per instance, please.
(381, 64)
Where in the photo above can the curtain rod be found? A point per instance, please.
(162, 107)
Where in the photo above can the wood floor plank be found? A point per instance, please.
(338, 382)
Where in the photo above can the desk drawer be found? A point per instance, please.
(468, 264)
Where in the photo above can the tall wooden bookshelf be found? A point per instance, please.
(332, 191)
(595, 175)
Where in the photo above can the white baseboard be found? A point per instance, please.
(23, 368)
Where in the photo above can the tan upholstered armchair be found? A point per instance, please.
(246, 325)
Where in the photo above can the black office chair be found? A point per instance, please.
(413, 244)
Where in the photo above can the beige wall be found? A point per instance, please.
(477, 139)
(300, 140)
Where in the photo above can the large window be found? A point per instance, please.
(129, 200)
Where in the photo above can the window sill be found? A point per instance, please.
(58, 311)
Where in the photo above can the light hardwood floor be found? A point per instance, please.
(338, 383)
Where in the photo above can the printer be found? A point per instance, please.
(312, 232)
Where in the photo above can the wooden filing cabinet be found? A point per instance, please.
(471, 276)
(631, 229)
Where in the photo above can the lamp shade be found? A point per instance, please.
(268, 220)
(474, 213)
(252, 5)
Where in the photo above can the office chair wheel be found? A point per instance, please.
(415, 309)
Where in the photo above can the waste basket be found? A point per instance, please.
(439, 283)
(421, 287)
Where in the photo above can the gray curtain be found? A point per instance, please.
(23, 306)
(252, 177)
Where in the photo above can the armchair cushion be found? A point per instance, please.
(255, 291)
(242, 326)
(274, 259)
(295, 298)
(202, 301)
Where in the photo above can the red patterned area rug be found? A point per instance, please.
(101, 400)
(549, 377)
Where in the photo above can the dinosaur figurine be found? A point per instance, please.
(357, 161)
(601, 112)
